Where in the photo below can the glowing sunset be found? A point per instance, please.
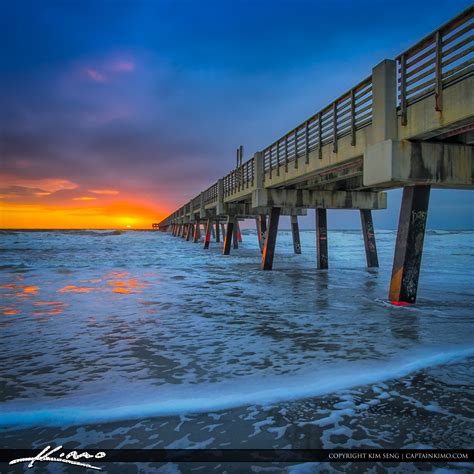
(236, 236)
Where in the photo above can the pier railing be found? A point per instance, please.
(210, 194)
(196, 203)
(240, 178)
(347, 114)
(438, 60)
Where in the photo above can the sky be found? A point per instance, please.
(115, 113)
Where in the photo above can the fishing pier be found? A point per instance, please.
(409, 124)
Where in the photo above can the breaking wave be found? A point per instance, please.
(151, 402)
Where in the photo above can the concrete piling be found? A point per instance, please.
(295, 232)
(207, 238)
(270, 240)
(235, 234)
(190, 232)
(239, 234)
(369, 238)
(409, 244)
(261, 230)
(322, 239)
(228, 235)
(218, 235)
(197, 232)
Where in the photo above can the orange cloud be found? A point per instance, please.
(84, 198)
(46, 185)
(111, 192)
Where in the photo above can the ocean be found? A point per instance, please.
(142, 340)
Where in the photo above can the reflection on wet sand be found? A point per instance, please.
(77, 289)
(50, 307)
(25, 290)
(127, 286)
(112, 282)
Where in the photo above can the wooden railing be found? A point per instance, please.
(441, 59)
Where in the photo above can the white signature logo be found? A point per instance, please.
(70, 458)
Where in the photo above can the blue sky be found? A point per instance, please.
(150, 99)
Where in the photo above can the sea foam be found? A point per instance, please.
(151, 402)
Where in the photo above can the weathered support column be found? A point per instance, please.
(223, 230)
(183, 235)
(190, 232)
(369, 238)
(261, 221)
(270, 239)
(228, 235)
(235, 234)
(180, 228)
(409, 244)
(322, 238)
(213, 234)
(172, 228)
(295, 231)
(207, 238)
(239, 234)
(218, 234)
(197, 231)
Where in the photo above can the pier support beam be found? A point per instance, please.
(223, 230)
(235, 234)
(369, 238)
(207, 238)
(185, 228)
(270, 239)
(190, 232)
(409, 245)
(322, 239)
(228, 235)
(239, 234)
(197, 232)
(218, 235)
(261, 222)
(295, 232)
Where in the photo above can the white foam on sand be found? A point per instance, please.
(147, 402)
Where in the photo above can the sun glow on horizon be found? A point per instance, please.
(116, 215)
